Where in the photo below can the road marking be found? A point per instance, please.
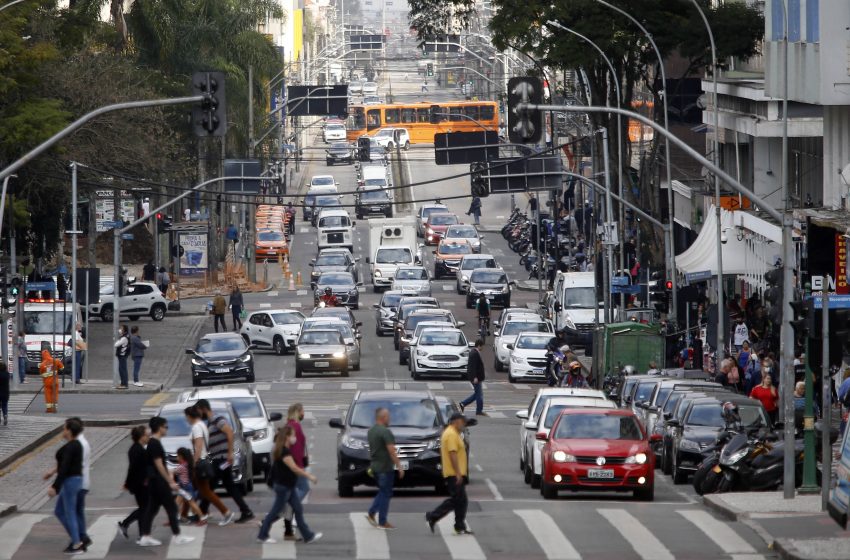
(521, 387)
(101, 532)
(478, 468)
(492, 486)
(461, 547)
(309, 415)
(189, 550)
(156, 400)
(265, 305)
(301, 292)
(389, 386)
(303, 230)
(273, 293)
(447, 303)
(496, 414)
(348, 387)
(15, 531)
(500, 217)
(305, 386)
(281, 549)
(371, 543)
(448, 287)
(20, 402)
(722, 534)
(434, 386)
(263, 386)
(636, 534)
(547, 534)
(295, 305)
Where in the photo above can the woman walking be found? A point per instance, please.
(22, 357)
(294, 417)
(69, 484)
(283, 477)
(163, 280)
(203, 473)
(236, 306)
(136, 482)
(766, 393)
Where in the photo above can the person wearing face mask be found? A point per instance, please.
(282, 478)
(294, 417)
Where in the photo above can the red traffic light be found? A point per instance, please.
(159, 215)
(669, 284)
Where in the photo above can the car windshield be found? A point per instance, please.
(579, 298)
(384, 131)
(441, 338)
(338, 326)
(393, 255)
(321, 181)
(411, 274)
(270, 236)
(711, 415)
(334, 221)
(334, 127)
(644, 391)
(338, 312)
(246, 407)
(598, 426)
(486, 276)
(443, 219)
(342, 146)
(532, 342)
(331, 260)
(336, 279)
(376, 195)
(287, 318)
(472, 264)
(390, 299)
(328, 200)
(426, 212)
(466, 232)
(234, 344)
(518, 327)
(177, 424)
(454, 249)
(48, 322)
(662, 394)
(380, 182)
(413, 320)
(320, 337)
(670, 403)
(406, 413)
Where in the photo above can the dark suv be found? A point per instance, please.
(416, 420)
(374, 200)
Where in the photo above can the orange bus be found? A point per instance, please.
(416, 118)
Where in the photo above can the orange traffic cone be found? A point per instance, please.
(291, 283)
(298, 281)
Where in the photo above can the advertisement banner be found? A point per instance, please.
(194, 253)
(842, 282)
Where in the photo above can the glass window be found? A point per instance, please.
(220, 345)
(391, 116)
(320, 337)
(336, 279)
(813, 21)
(270, 236)
(403, 413)
(487, 113)
(454, 249)
(256, 319)
(516, 328)
(287, 318)
(423, 115)
(532, 342)
(706, 415)
(579, 298)
(48, 322)
(442, 338)
(472, 111)
(487, 276)
(455, 114)
(356, 119)
(644, 391)
(598, 426)
(246, 407)
(408, 116)
(393, 255)
(373, 119)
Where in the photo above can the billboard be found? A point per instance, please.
(104, 207)
(316, 100)
(194, 259)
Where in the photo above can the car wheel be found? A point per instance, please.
(344, 373)
(375, 288)
(549, 491)
(196, 382)
(344, 490)
(106, 314)
(279, 346)
(459, 291)
(468, 303)
(329, 162)
(511, 378)
(378, 331)
(679, 476)
(535, 480)
(526, 473)
(497, 365)
(666, 466)
(357, 306)
(401, 359)
(646, 494)
(298, 371)
(406, 146)
(251, 378)
(356, 366)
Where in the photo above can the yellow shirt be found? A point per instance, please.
(451, 441)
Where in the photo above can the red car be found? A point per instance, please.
(598, 450)
(436, 226)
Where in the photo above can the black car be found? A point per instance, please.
(221, 357)
(310, 200)
(406, 306)
(374, 200)
(333, 262)
(323, 201)
(339, 152)
(416, 420)
(386, 310)
(493, 283)
(342, 284)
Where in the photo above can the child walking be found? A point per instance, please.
(187, 496)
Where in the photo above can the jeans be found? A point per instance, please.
(381, 503)
(122, 370)
(237, 320)
(477, 396)
(81, 513)
(79, 360)
(235, 492)
(302, 488)
(456, 501)
(137, 366)
(22, 368)
(66, 507)
(216, 320)
(285, 495)
(4, 407)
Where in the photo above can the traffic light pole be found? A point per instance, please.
(826, 408)
(810, 485)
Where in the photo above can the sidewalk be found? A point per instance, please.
(796, 529)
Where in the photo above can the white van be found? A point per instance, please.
(575, 306)
(335, 229)
(375, 176)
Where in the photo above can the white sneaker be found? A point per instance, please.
(227, 520)
(148, 541)
(182, 539)
(266, 541)
(316, 537)
(138, 384)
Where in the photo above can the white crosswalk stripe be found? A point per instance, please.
(496, 414)
(14, 532)
(301, 292)
(305, 386)
(265, 305)
(372, 544)
(273, 293)
(283, 550)
(190, 550)
(461, 547)
(101, 532)
(642, 540)
(521, 387)
(719, 532)
(547, 534)
(435, 386)
(19, 402)
(348, 386)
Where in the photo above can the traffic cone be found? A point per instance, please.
(298, 281)
(291, 284)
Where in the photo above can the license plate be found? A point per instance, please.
(600, 473)
(405, 465)
(442, 364)
(537, 371)
(273, 252)
(322, 364)
(222, 370)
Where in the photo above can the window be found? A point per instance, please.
(373, 119)
(267, 321)
(356, 120)
(408, 116)
(139, 290)
(391, 116)
(423, 115)
(256, 319)
(487, 113)
(473, 112)
(813, 21)
(598, 426)
(455, 114)
(794, 20)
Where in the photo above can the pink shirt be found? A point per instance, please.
(299, 450)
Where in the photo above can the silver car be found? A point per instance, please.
(413, 279)
(465, 231)
(469, 263)
(351, 339)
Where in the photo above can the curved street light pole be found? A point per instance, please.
(671, 257)
(10, 4)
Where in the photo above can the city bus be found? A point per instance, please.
(416, 118)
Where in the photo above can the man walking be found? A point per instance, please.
(237, 303)
(221, 453)
(218, 309)
(475, 375)
(22, 357)
(137, 351)
(81, 496)
(456, 476)
(80, 347)
(383, 455)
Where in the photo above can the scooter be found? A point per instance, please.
(755, 463)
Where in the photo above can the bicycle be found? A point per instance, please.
(483, 326)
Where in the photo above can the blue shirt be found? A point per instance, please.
(843, 388)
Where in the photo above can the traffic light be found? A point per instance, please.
(525, 126)
(210, 117)
(659, 293)
(363, 148)
(164, 223)
(15, 287)
(479, 181)
(803, 321)
(430, 69)
(773, 295)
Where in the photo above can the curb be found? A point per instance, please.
(7, 509)
(786, 550)
(724, 509)
(34, 444)
(105, 390)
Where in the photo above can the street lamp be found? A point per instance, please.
(10, 4)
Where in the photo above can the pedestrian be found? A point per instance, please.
(741, 334)
(290, 214)
(218, 309)
(68, 483)
(5, 377)
(146, 207)
(236, 306)
(86, 486)
(752, 373)
(80, 348)
(733, 375)
(49, 368)
(149, 272)
(766, 393)
(455, 474)
(475, 210)
(744, 356)
(136, 481)
(187, 215)
(425, 86)
(22, 357)
(204, 473)
(187, 496)
(383, 457)
(137, 352)
(122, 352)
(800, 399)
(160, 488)
(221, 454)
(294, 417)
(475, 374)
(232, 234)
(282, 478)
(163, 280)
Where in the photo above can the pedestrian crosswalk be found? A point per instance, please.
(648, 532)
(19, 402)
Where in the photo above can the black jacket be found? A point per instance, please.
(69, 462)
(475, 367)
(137, 469)
(5, 377)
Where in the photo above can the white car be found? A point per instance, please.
(334, 132)
(439, 350)
(351, 339)
(412, 279)
(273, 329)
(508, 332)
(528, 357)
(369, 88)
(252, 411)
(465, 231)
(141, 298)
(551, 410)
(391, 138)
(425, 212)
(469, 263)
(355, 86)
(324, 181)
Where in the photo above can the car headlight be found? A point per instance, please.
(562, 457)
(245, 358)
(636, 459)
(260, 434)
(434, 444)
(352, 292)
(378, 273)
(464, 354)
(353, 443)
(338, 354)
(464, 278)
(734, 457)
(197, 362)
(517, 359)
(430, 231)
(506, 289)
(422, 353)
(689, 445)
(304, 356)
(569, 323)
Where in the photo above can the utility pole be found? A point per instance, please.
(248, 237)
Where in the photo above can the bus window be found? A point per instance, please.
(487, 113)
(423, 115)
(408, 116)
(391, 116)
(472, 112)
(455, 114)
(373, 119)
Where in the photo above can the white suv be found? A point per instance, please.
(334, 132)
(275, 329)
(390, 138)
(248, 404)
(141, 298)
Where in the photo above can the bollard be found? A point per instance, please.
(291, 284)
(298, 281)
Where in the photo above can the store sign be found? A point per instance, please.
(194, 258)
(842, 282)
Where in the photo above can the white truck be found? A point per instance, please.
(575, 306)
(392, 242)
(46, 320)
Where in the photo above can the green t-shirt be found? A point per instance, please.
(379, 437)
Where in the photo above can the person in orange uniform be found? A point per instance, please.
(49, 369)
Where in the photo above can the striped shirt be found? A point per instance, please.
(218, 439)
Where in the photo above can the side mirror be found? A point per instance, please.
(668, 415)
(358, 324)
(358, 336)
(368, 260)
(557, 306)
(779, 426)
(512, 283)
(376, 306)
(497, 324)
(336, 423)
(357, 259)
(510, 346)
(248, 434)
(471, 422)
(360, 283)
(461, 324)
(312, 262)
(673, 422)
(433, 252)
(541, 436)
(530, 425)
(190, 351)
(522, 414)
(353, 223)
(472, 344)
(252, 347)
(275, 417)
(481, 236)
